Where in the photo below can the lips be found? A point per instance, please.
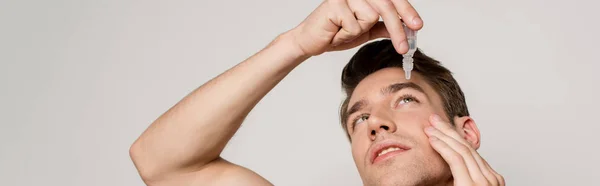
(385, 149)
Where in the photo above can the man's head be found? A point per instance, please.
(383, 111)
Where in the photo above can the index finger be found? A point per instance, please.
(445, 127)
(393, 24)
(408, 14)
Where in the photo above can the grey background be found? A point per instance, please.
(80, 80)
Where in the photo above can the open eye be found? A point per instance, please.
(357, 120)
(361, 119)
(407, 99)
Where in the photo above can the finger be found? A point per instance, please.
(364, 13)
(454, 160)
(344, 17)
(447, 129)
(408, 14)
(393, 24)
(464, 152)
(377, 31)
(486, 170)
(499, 177)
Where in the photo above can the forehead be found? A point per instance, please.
(372, 84)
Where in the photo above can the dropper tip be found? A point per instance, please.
(407, 74)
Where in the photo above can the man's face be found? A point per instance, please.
(387, 117)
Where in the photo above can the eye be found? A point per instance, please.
(405, 99)
(360, 119)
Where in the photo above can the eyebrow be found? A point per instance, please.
(390, 89)
(393, 88)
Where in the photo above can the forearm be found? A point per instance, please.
(195, 130)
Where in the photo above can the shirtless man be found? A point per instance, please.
(402, 132)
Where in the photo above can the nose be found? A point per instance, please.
(380, 123)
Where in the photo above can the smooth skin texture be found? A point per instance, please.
(399, 117)
(183, 146)
(403, 115)
(467, 166)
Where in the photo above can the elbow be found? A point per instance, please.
(143, 165)
(135, 153)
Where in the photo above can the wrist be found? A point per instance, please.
(286, 44)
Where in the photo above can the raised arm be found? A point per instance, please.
(182, 146)
(190, 136)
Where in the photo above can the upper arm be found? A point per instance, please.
(217, 172)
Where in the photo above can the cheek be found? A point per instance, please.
(413, 124)
(359, 151)
(416, 119)
(360, 143)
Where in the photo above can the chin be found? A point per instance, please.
(415, 172)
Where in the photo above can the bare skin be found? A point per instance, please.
(402, 113)
(183, 146)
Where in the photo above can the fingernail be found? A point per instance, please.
(437, 118)
(403, 45)
(417, 21)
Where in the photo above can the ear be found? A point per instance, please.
(466, 127)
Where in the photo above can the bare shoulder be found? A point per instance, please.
(218, 172)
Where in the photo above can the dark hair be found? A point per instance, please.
(381, 54)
